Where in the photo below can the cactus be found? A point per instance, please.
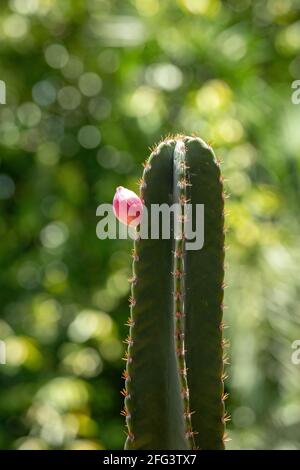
(174, 392)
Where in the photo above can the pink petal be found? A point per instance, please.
(127, 206)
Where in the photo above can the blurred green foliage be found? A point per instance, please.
(91, 84)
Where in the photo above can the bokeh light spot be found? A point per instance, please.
(44, 93)
(15, 26)
(89, 137)
(90, 84)
(56, 56)
(165, 76)
(54, 235)
(7, 187)
(69, 98)
(29, 114)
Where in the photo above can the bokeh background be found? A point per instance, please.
(91, 84)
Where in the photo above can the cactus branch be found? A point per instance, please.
(175, 348)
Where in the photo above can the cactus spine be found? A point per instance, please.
(174, 368)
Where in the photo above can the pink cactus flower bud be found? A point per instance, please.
(127, 206)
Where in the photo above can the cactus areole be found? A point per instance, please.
(174, 391)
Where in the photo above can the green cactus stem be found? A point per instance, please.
(174, 392)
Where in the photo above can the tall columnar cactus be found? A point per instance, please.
(174, 393)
